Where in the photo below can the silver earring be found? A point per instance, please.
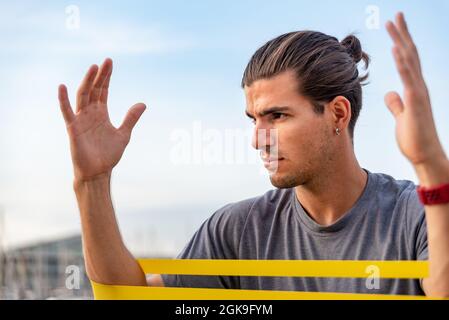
(337, 131)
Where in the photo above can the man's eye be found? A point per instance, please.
(253, 120)
(278, 115)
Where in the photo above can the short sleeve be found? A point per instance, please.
(218, 237)
(417, 227)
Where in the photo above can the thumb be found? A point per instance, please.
(394, 103)
(132, 117)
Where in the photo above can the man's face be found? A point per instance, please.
(295, 142)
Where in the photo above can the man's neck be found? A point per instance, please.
(333, 193)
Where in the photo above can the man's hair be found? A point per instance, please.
(325, 68)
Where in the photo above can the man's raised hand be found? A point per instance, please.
(415, 128)
(96, 145)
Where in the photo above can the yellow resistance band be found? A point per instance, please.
(283, 268)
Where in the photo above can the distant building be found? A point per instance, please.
(46, 270)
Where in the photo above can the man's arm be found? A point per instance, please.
(155, 280)
(418, 141)
(437, 218)
(96, 147)
(108, 261)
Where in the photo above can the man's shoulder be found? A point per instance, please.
(396, 187)
(401, 191)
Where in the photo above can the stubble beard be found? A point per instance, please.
(290, 180)
(308, 173)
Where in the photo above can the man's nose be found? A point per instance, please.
(264, 138)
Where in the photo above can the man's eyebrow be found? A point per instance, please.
(269, 111)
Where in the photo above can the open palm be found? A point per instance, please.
(96, 145)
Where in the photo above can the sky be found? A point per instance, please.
(185, 61)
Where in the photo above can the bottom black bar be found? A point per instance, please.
(226, 309)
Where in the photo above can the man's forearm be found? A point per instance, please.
(108, 261)
(437, 218)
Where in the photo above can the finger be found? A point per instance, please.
(403, 29)
(99, 80)
(132, 117)
(411, 50)
(403, 68)
(395, 35)
(64, 104)
(83, 93)
(105, 89)
(394, 103)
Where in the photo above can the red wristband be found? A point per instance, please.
(434, 195)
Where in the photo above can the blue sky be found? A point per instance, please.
(185, 61)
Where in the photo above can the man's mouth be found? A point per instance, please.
(270, 162)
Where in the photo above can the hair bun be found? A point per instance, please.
(353, 47)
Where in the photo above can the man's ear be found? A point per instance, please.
(340, 109)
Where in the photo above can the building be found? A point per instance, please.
(46, 270)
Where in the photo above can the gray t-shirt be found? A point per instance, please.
(387, 222)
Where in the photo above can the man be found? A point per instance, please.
(303, 93)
